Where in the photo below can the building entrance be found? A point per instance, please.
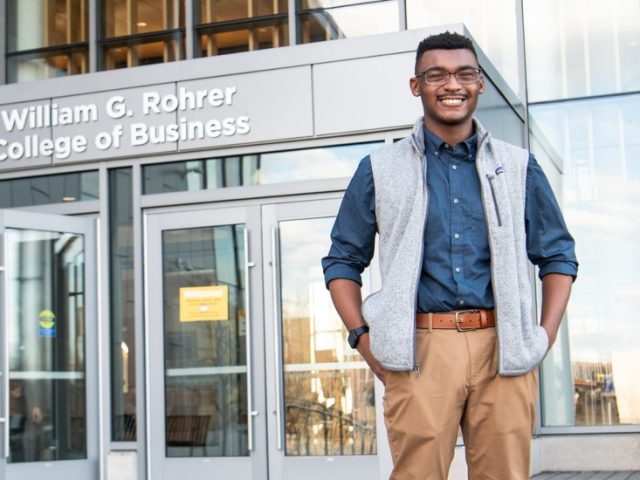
(49, 376)
(250, 376)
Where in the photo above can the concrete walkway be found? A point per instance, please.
(628, 475)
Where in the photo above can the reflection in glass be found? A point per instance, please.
(257, 169)
(271, 34)
(213, 11)
(144, 52)
(599, 141)
(46, 329)
(123, 344)
(493, 24)
(228, 26)
(578, 48)
(204, 342)
(46, 23)
(121, 18)
(67, 187)
(329, 399)
(321, 24)
(46, 65)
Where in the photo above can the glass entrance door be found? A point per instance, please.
(206, 380)
(250, 375)
(321, 391)
(49, 347)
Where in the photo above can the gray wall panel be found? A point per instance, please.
(277, 104)
(364, 94)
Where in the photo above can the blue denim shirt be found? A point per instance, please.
(456, 272)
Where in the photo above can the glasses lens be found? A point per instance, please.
(436, 77)
(467, 75)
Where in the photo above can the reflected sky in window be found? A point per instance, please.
(599, 141)
(578, 48)
(257, 169)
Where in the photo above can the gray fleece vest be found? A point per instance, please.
(401, 199)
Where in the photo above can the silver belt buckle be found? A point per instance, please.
(457, 318)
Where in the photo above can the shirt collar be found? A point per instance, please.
(466, 149)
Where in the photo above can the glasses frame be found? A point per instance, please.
(423, 75)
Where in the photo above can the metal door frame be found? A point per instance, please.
(282, 467)
(155, 221)
(61, 469)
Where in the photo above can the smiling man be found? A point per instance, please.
(451, 334)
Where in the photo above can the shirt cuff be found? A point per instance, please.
(342, 271)
(565, 268)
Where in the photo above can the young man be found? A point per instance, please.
(450, 334)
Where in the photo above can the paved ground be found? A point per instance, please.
(628, 475)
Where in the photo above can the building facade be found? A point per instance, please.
(169, 174)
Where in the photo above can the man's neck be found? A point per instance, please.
(452, 134)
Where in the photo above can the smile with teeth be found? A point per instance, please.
(452, 100)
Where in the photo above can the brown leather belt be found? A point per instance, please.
(461, 320)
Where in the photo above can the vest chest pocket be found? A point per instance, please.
(490, 179)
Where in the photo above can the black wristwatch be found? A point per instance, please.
(354, 334)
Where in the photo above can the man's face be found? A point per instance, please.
(453, 103)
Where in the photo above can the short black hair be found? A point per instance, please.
(444, 41)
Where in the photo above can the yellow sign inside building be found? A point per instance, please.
(198, 304)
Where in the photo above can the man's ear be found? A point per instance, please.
(481, 90)
(414, 85)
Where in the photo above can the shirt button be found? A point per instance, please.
(461, 302)
(455, 200)
(457, 269)
(435, 153)
(455, 167)
(456, 236)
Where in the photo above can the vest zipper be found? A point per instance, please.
(416, 366)
(491, 253)
(491, 178)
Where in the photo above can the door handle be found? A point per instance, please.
(275, 271)
(248, 265)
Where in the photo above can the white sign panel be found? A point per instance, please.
(155, 119)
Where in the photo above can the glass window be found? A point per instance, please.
(46, 330)
(591, 378)
(214, 11)
(45, 23)
(493, 24)
(578, 48)
(330, 20)
(68, 187)
(46, 39)
(123, 345)
(205, 363)
(257, 169)
(45, 65)
(135, 52)
(216, 42)
(142, 32)
(227, 26)
(329, 399)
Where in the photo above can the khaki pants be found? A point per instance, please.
(459, 386)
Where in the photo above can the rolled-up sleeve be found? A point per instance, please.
(550, 246)
(354, 230)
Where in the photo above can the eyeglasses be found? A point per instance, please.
(438, 76)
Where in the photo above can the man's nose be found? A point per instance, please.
(452, 83)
